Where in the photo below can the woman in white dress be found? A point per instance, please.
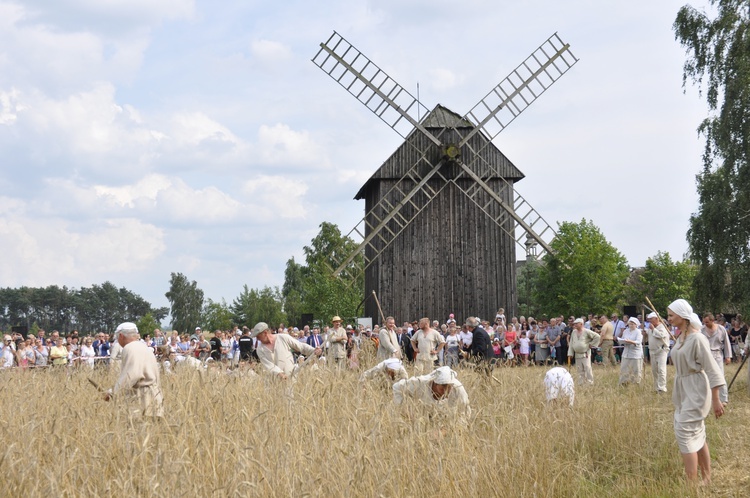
(696, 390)
(631, 364)
(87, 353)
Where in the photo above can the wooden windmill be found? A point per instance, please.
(442, 216)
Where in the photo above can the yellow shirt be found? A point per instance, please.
(59, 355)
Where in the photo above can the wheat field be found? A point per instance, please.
(327, 434)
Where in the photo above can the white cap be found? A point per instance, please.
(635, 321)
(126, 326)
(577, 320)
(259, 328)
(652, 315)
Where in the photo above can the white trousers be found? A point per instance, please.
(659, 368)
(583, 365)
(723, 392)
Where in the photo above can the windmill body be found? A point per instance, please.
(452, 257)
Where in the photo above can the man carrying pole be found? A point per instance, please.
(658, 350)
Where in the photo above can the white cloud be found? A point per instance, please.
(443, 79)
(112, 14)
(147, 188)
(9, 106)
(168, 201)
(60, 46)
(279, 144)
(277, 194)
(92, 132)
(42, 252)
(195, 128)
(271, 51)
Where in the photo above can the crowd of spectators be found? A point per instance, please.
(516, 341)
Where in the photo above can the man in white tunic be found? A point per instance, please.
(721, 348)
(658, 351)
(558, 383)
(276, 351)
(390, 370)
(579, 345)
(428, 343)
(631, 365)
(138, 383)
(439, 390)
(388, 346)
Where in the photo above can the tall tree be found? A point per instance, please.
(292, 290)
(147, 324)
(527, 284)
(718, 56)
(585, 273)
(663, 280)
(186, 303)
(324, 294)
(217, 315)
(253, 306)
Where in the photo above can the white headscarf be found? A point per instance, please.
(682, 308)
(443, 375)
(393, 364)
(635, 321)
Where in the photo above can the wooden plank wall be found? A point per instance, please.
(451, 259)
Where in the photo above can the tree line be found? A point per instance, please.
(99, 307)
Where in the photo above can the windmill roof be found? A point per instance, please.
(440, 118)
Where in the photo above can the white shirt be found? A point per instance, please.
(632, 351)
(452, 341)
(7, 357)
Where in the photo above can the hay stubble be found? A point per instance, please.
(331, 435)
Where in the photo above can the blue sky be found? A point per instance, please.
(143, 137)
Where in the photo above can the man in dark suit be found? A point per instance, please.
(315, 340)
(405, 342)
(481, 345)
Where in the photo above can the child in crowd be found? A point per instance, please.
(500, 315)
(525, 347)
(496, 348)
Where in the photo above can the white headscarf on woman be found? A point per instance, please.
(682, 308)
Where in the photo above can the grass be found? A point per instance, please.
(330, 435)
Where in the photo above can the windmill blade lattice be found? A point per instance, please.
(369, 84)
(524, 215)
(520, 88)
(400, 110)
